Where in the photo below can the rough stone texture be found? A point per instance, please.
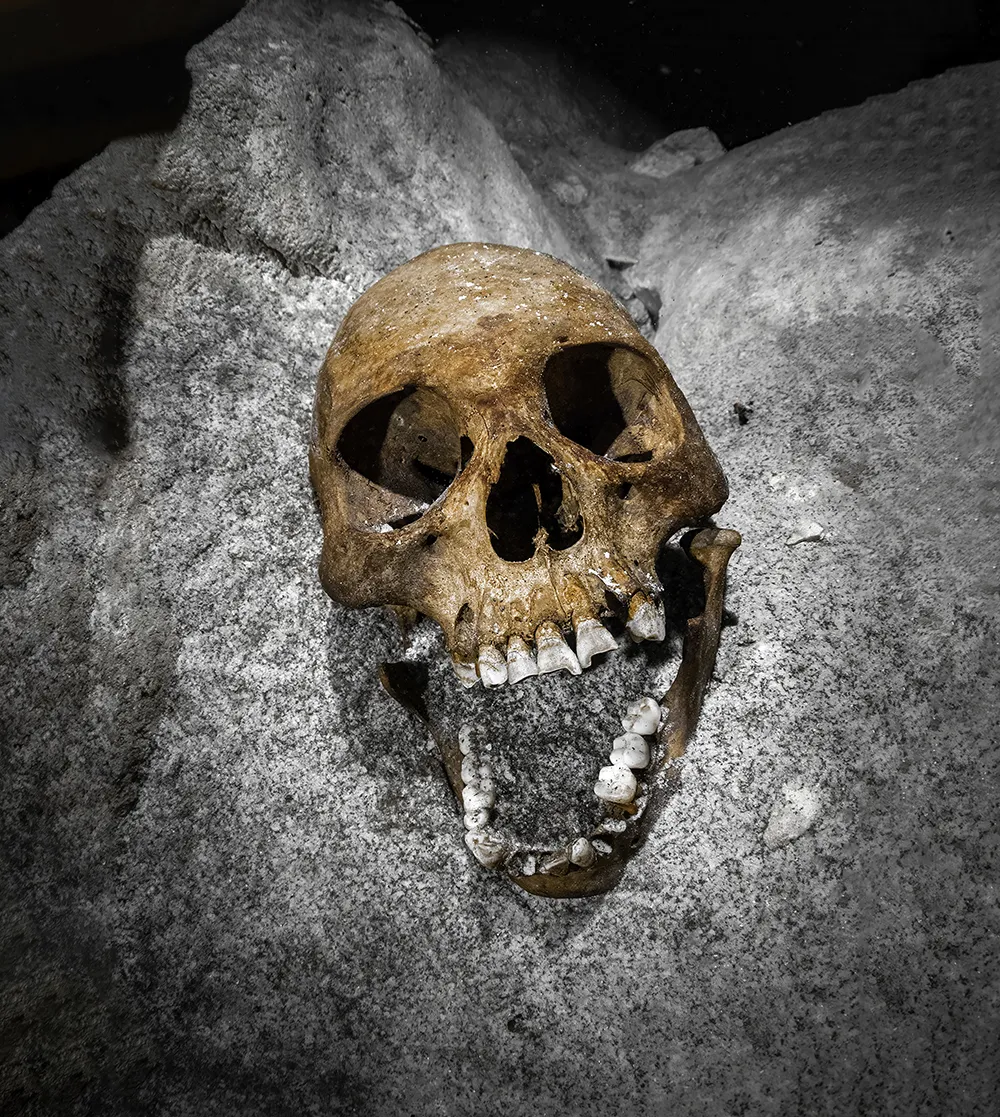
(678, 151)
(234, 882)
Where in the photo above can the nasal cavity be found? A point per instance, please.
(531, 505)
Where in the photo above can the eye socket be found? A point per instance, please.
(403, 450)
(597, 396)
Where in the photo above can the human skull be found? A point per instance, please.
(497, 447)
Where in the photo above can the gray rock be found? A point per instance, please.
(688, 148)
(216, 900)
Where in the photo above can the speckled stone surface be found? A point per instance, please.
(233, 877)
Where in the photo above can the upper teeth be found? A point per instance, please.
(646, 619)
(496, 666)
(554, 654)
(592, 638)
(520, 662)
(492, 666)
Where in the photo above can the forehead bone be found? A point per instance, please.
(461, 290)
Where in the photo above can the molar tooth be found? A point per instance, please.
(466, 673)
(492, 666)
(630, 750)
(645, 620)
(475, 798)
(582, 853)
(477, 820)
(488, 850)
(520, 662)
(642, 716)
(601, 846)
(554, 654)
(592, 638)
(616, 784)
(470, 770)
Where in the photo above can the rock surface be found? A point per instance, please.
(234, 881)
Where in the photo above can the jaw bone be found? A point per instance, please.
(641, 769)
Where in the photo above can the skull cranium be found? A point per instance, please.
(498, 448)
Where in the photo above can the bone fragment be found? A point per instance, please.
(581, 853)
(475, 798)
(613, 826)
(477, 820)
(554, 654)
(642, 716)
(592, 638)
(466, 673)
(492, 666)
(616, 784)
(645, 619)
(630, 750)
(488, 850)
(520, 662)
(554, 862)
(807, 531)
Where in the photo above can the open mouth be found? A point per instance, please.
(561, 761)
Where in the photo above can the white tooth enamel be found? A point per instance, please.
(475, 798)
(465, 738)
(601, 847)
(487, 850)
(470, 770)
(642, 716)
(592, 638)
(530, 865)
(466, 673)
(554, 654)
(582, 853)
(477, 820)
(520, 662)
(616, 784)
(647, 622)
(492, 666)
(630, 750)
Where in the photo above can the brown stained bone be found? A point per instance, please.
(496, 446)
(712, 548)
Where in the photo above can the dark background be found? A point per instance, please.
(76, 74)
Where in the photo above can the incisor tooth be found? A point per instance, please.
(492, 666)
(466, 672)
(520, 662)
(630, 750)
(592, 638)
(554, 654)
(487, 850)
(616, 784)
(645, 620)
(582, 853)
(642, 716)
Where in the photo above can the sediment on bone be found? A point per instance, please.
(544, 742)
